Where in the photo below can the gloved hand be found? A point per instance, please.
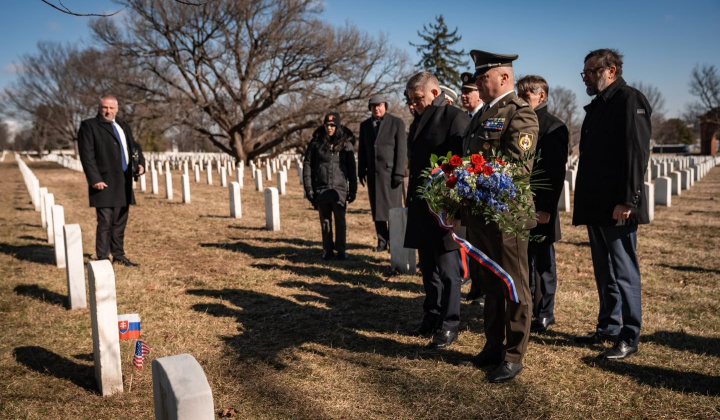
(351, 197)
(362, 180)
(310, 197)
(396, 181)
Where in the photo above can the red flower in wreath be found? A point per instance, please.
(500, 161)
(456, 161)
(447, 168)
(477, 160)
(487, 170)
(451, 181)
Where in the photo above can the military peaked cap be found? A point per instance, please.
(468, 81)
(484, 60)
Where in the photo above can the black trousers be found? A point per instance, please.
(383, 232)
(441, 272)
(327, 211)
(110, 233)
(543, 278)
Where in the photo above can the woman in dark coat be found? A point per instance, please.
(330, 180)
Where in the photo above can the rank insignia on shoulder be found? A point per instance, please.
(525, 141)
(494, 124)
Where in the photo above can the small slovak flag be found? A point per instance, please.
(141, 349)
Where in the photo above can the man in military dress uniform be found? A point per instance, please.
(507, 125)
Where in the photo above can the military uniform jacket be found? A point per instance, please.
(510, 127)
(437, 131)
(552, 150)
(382, 158)
(614, 153)
(100, 154)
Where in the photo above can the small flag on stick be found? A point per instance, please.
(129, 326)
(141, 349)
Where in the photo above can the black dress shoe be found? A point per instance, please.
(479, 302)
(342, 256)
(541, 324)
(124, 261)
(424, 330)
(619, 351)
(327, 255)
(442, 339)
(505, 372)
(482, 359)
(381, 247)
(595, 338)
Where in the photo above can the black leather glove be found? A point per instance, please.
(396, 181)
(351, 197)
(310, 197)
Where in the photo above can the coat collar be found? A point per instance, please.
(436, 104)
(606, 94)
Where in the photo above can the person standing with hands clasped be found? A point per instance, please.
(382, 157)
(552, 151)
(110, 158)
(330, 181)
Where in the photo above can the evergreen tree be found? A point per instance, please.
(437, 56)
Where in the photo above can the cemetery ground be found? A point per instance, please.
(282, 334)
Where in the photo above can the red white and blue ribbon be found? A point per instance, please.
(466, 246)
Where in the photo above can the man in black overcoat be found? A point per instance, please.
(437, 129)
(552, 149)
(382, 157)
(609, 198)
(109, 156)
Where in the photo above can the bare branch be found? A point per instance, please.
(67, 11)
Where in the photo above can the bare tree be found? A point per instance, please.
(258, 71)
(562, 103)
(5, 139)
(705, 85)
(64, 9)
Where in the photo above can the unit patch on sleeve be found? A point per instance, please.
(525, 141)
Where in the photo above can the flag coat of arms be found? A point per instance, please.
(129, 326)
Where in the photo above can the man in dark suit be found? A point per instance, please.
(609, 199)
(109, 154)
(552, 149)
(507, 125)
(437, 129)
(382, 156)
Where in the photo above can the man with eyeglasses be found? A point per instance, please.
(437, 129)
(609, 199)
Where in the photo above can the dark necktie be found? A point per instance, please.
(377, 126)
(122, 149)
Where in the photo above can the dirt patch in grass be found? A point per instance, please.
(282, 334)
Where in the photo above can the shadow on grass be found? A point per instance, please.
(43, 254)
(685, 342)
(41, 294)
(48, 363)
(331, 315)
(657, 377)
(689, 268)
(578, 244)
(32, 238)
(365, 279)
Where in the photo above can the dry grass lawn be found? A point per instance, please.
(282, 334)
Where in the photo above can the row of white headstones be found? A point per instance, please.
(666, 176)
(180, 388)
